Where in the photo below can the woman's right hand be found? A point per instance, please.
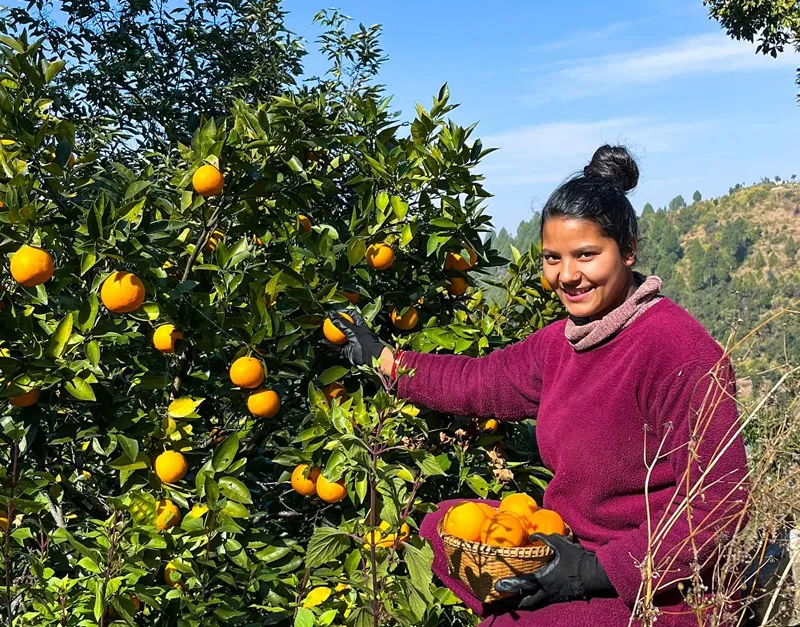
(362, 345)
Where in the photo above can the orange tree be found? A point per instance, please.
(178, 446)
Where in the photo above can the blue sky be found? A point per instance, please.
(550, 82)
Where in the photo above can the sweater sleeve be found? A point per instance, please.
(505, 384)
(696, 409)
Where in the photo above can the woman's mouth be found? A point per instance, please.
(578, 295)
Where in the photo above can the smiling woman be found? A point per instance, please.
(636, 418)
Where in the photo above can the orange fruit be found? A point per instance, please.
(505, 529)
(302, 484)
(523, 505)
(386, 541)
(171, 466)
(165, 337)
(353, 297)
(380, 256)
(247, 372)
(264, 403)
(207, 180)
(457, 286)
(330, 492)
(3, 520)
(546, 521)
(27, 399)
(332, 333)
(454, 261)
(174, 582)
(487, 509)
(545, 284)
(304, 222)
(122, 292)
(489, 426)
(333, 391)
(407, 321)
(71, 160)
(167, 514)
(31, 266)
(213, 240)
(465, 521)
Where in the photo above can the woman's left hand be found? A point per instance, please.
(573, 574)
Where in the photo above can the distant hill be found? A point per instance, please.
(728, 260)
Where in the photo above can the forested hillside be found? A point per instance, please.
(731, 260)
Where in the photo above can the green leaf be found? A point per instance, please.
(419, 563)
(12, 43)
(435, 242)
(235, 490)
(87, 262)
(235, 510)
(445, 223)
(356, 248)
(326, 543)
(334, 373)
(59, 339)
(129, 445)
(516, 254)
(225, 453)
(99, 603)
(304, 618)
(80, 389)
(89, 564)
(136, 188)
(88, 313)
(429, 466)
(295, 164)
(382, 201)
(400, 207)
(478, 485)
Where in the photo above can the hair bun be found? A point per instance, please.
(616, 164)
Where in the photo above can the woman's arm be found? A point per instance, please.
(505, 384)
(698, 412)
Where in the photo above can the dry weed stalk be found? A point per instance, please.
(726, 536)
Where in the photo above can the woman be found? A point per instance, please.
(630, 392)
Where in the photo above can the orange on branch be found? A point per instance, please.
(305, 485)
(353, 297)
(3, 520)
(489, 426)
(247, 372)
(407, 321)
(505, 529)
(213, 240)
(331, 331)
(465, 521)
(380, 256)
(170, 579)
(457, 286)
(264, 403)
(207, 180)
(31, 266)
(167, 514)
(27, 399)
(165, 337)
(171, 466)
(454, 261)
(330, 491)
(545, 284)
(122, 292)
(335, 390)
(305, 222)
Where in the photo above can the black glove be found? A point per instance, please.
(362, 345)
(574, 573)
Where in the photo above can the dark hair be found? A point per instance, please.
(599, 194)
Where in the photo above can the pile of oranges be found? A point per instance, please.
(509, 525)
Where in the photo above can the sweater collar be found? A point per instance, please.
(584, 334)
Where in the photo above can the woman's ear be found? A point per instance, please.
(629, 256)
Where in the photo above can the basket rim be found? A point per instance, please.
(478, 548)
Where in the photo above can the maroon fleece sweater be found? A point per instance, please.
(601, 417)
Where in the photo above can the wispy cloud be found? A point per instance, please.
(583, 37)
(698, 55)
(547, 153)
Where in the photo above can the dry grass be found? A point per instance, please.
(739, 529)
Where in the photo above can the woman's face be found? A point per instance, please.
(584, 267)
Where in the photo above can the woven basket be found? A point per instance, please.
(479, 566)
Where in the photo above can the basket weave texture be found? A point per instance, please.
(479, 566)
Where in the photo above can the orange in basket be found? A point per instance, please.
(479, 565)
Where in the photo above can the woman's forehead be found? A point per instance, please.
(563, 228)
